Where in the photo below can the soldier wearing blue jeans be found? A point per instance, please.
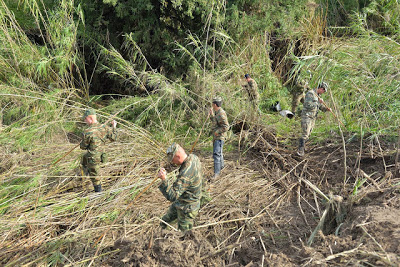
(218, 156)
(219, 129)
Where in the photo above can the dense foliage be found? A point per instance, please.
(77, 48)
(157, 26)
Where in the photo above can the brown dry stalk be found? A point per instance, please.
(220, 251)
(86, 260)
(341, 254)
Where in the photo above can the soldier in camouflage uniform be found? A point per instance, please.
(252, 91)
(93, 137)
(312, 103)
(185, 191)
(219, 130)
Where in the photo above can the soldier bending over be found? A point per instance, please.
(185, 192)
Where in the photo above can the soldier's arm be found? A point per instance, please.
(211, 114)
(212, 118)
(257, 95)
(173, 191)
(85, 142)
(322, 105)
(111, 133)
(323, 108)
(253, 84)
(255, 90)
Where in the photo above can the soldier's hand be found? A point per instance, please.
(162, 174)
(211, 112)
(114, 124)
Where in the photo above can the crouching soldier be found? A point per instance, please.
(185, 191)
(93, 137)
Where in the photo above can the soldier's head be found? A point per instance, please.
(217, 102)
(247, 76)
(89, 116)
(176, 154)
(322, 87)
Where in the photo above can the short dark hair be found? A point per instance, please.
(247, 75)
(218, 103)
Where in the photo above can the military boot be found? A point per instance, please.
(300, 151)
(97, 188)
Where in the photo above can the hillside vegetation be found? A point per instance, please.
(157, 64)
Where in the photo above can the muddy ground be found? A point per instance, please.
(280, 211)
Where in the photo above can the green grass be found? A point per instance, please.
(78, 205)
(358, 184)
(109, 217)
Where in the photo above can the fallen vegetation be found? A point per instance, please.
(263, 209)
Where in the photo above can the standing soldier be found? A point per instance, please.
(252, 91)
(93, 137)
(219, 130)
(312, 103)
(185, 192)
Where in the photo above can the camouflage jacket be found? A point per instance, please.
(185, 192)
(252, 90)
(311, 105)
(220, 125)
(96, 135)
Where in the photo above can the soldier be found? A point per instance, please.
(93, 137)
(185, 192)
(297, 92)
(312, 103)
(252, 91)
(219, 130)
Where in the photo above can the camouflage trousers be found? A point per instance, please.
(90, 167)
(253, 111)
(307, 124)
(185, 218)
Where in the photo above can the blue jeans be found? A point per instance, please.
(217, 156)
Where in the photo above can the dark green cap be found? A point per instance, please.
(89, 112)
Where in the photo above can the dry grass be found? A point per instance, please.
(266, 202)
